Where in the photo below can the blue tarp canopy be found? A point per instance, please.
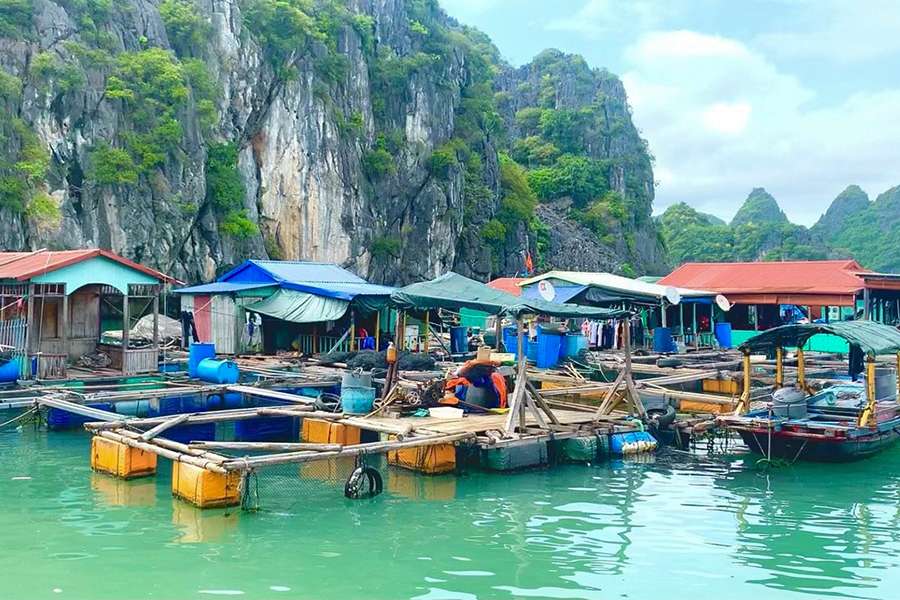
(222, 287)
(321, 279)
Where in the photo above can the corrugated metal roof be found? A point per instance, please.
(22, 266)
(221, 287)
(790, 277)
(617, 283)
(312, 277)
(510, 285)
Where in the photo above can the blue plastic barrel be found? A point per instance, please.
(548, 344)
(197, 352)
(357, 400)
(218, 371)
(662, 340)
(575, 343)
(531, 349)
(723, 334)
(510, 339)
(459, 340)
(9, 371)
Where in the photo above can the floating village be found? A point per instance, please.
(292, 370)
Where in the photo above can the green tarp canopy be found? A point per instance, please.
(453, 292)
(300, 307)
(872, 338)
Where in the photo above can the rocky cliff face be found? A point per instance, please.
(189, 135)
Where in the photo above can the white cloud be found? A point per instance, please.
(597, 17)
(721, 119)
(467, 9)
(837, 30)
(727, 117)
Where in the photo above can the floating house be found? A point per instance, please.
(769, 294)
(271, 305)
(686, 311)
(56, 306)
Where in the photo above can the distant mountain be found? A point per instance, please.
(852, 227)
(852, 201)
(759, 231)
(870, 234)
(759, 207)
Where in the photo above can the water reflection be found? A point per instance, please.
(113, 491)
(825, 530)
(196, 525)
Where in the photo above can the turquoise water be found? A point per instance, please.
(676, 527)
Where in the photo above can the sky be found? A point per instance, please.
(801, 97)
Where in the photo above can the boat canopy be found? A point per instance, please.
(870, 337)
(453, 292)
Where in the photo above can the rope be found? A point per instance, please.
(14, 419)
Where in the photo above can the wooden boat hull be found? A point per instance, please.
(817, 449)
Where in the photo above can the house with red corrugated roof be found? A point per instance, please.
(824, 289)
(55, 305)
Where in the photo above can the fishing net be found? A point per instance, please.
(369, 360)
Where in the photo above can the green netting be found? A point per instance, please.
(454, 292)
(872, 338)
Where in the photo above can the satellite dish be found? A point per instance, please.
(673, 295)
(722, 302)
(546, 290)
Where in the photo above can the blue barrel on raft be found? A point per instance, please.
(548, 345)
(357, 400)
(459, 340)
(218, 371)
(531, 349)
(198, 352)
(575, 343)
(662, 340)
(723, 335)
(9, 371)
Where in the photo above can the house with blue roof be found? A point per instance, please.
(272, 305)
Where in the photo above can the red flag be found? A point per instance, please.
(529, 264)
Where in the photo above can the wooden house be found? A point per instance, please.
(55, 305)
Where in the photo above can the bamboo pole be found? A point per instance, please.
(427, 329)
(237, 414)
(155, 431)
(164, 452)
(779, 367)
(176, 446)
(266, 446)
(377, 330)
(354, 450)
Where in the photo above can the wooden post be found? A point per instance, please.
(398, 331)
(498, 331)
(779, 367)
(126, 325)
(865, 303)
(156, 321)
(352, 330)
(662, 308)
(29, 324)
(427, 329)
(629, 379)
(744, 403)
(694, 326)
(801, 369)
(64, 325)
(681, 320)
(867, 416)
(378, 330)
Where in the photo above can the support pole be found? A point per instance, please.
(498, 332)
(29, 324)
(867, 416)
(744, 403)
(897, 375)
(694, 329)
(662, 309)
(378, 330)
(352, 330)
(779, 367)
(866, 300)
(629, 379)
(427, 329)
(801, 369)
(64, 326)
(126, 324)
(156, 321)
